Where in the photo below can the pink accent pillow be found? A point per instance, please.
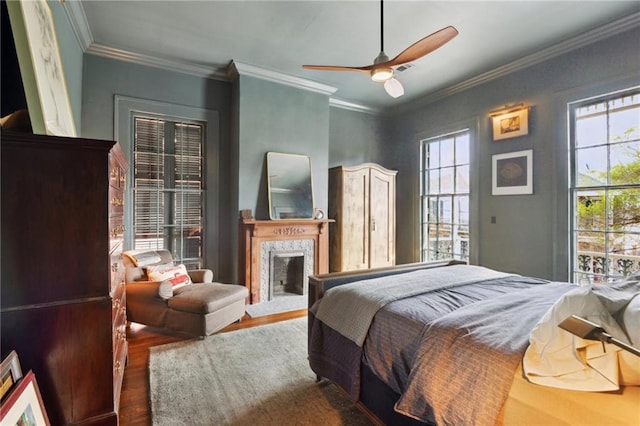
(177, 275)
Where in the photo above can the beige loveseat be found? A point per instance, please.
(199, 308)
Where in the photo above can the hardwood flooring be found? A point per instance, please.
(134, 399)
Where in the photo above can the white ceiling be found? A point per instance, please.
(280, 36)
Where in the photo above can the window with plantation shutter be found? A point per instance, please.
(168, 188)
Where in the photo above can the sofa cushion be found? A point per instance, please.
(177, 275)
(207, 297)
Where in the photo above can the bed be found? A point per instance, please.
(443, 343)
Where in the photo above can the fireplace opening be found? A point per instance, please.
(287, 274)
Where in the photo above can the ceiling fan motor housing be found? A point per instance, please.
(383, 73)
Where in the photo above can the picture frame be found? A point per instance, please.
(10, 374)
(24, 405)
(512, 173)
(41, 66)
(511, 124)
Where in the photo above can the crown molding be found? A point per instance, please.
(154, 61)
(339, 103)
(79, 25)
(78, 20)
(236, 69)
(592, 36)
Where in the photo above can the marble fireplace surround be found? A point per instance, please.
(285, 248)
(259, 237)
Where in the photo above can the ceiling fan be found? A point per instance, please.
(381, 70)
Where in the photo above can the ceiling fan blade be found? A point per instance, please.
(337, 68)
(394, 88)
(422, 47)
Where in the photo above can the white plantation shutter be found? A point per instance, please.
(168, 189)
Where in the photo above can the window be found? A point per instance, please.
(168, 188)
(605, 187)
(445, 197)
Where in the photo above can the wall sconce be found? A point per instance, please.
(510, 121)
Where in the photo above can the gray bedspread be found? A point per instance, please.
(349, 309)
(464, 363)
(401, 334)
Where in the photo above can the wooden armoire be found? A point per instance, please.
(362, 201)
(63, 301)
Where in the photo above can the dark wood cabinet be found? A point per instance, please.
(62, 297)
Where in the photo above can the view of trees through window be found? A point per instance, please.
(606, 188)
(445, 197)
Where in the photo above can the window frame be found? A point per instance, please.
(169, 191)
(423, 195)
(125, 107)
(574, 270)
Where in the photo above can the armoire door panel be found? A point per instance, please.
(382, 196)
(355, 232)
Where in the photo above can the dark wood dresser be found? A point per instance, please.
(62, 292)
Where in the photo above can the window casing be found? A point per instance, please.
(605, 187)
(445, 197)
(168, 189)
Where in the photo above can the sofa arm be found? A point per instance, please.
(201, 275)
(146, 289)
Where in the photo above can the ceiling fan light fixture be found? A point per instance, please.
(382, 69)
(382, 74)
(394, 88)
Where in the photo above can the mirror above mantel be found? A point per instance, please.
(289, 185)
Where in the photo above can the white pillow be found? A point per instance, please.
(165, 290)
(177, 275)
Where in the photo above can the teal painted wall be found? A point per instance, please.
(105, 78)
(275, 117)
(530, 235)
(267, 117)
(355, 138)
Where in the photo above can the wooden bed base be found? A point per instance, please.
(318, 284)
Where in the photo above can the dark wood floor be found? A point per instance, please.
(134, 399)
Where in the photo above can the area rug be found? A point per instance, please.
(253, 376)
(284, 303)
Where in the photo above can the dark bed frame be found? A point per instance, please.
(376, 398)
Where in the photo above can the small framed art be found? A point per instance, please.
(24, 404)
(512, 173)
(511, 124)
(10, 373)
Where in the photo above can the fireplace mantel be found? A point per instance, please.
(254, 232)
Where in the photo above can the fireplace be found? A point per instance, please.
(287, 274)
(287, 261)
(277, 256)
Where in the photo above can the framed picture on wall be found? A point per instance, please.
(512, 173)
(40, 63)
(511, 124)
